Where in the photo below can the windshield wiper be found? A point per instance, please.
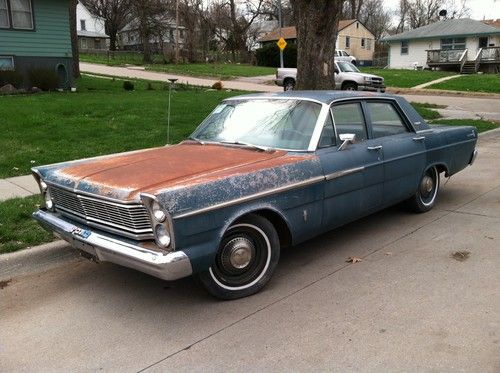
(197, 140)
(258, 147)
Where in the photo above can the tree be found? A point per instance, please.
(74, 38)
(317, 28)
(116, 14)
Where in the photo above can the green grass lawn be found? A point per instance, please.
(402, 78)
(215, 70)
(101, 118)
(481, 125)
(17, 229)
(426, 110)
(489, 83)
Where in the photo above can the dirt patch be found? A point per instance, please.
(4, 284)
(461, 256)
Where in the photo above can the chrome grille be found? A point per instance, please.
(132, 220)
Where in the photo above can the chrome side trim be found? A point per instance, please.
(251, 197)
(165, 265)
(338, 174)
(473, 158)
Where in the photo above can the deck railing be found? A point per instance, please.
(490, 54)
(442, 56)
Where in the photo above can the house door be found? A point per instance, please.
(483, 42)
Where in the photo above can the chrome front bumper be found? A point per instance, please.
(167, 266)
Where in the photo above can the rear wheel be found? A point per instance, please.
(426, 195)
(288, 84)
(247, 257)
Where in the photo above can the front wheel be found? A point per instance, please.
(246, 259)
(425, 197)
(288, 84)
(349, 86)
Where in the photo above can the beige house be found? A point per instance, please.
(353, 37)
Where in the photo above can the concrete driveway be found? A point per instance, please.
(408, 306)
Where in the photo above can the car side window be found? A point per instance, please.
(385, 119)
(328, 134)
(349, 118)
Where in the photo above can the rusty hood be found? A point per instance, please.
(124, 176)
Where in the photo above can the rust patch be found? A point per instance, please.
(160, 168)
(4, 284)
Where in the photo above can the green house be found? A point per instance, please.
(36, 34)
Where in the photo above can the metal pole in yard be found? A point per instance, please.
(280, 25)
(172, 81)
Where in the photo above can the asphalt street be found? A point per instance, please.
(409, 305)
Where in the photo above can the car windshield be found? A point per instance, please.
(347, 67)
(268, 123)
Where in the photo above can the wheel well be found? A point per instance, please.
(284, 234)
(349, 82)
(442, 168)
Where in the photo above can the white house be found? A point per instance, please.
(162, 38)
(90, 29)
(463, 44)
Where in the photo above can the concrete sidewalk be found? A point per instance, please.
(19, 186)
(132, 73)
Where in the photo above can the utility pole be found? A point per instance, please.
(282, 64)
(176, 31)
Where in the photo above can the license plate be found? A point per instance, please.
(83, 233)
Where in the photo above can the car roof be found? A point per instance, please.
(325, 97)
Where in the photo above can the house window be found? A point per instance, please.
(6, 63)
(21, 14)
(363, 43)
(4, 14)
(347, 42)
(404, 47)
(82, 25)
(453, 43)
(369, 44)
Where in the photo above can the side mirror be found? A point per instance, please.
(346, 138)
(336, 71)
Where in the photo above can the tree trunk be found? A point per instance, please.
(317, 27)
(74, 38)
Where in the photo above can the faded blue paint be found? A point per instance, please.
(385, 178)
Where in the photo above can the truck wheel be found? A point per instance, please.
(425, 197)
(247, 257)
(349, 86)
(288, 84)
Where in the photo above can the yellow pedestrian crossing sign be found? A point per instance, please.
(281, 43)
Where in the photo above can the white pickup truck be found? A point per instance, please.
(342, 56)
(347, 77)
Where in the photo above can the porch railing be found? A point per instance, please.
(442, 56)
(490, 54)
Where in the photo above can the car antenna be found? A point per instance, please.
(172, 82)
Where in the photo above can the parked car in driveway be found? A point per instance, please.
(261, 172)
(347, 78)
(342, 55)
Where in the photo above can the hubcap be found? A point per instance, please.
(426, 186)
(237, 254)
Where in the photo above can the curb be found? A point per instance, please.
(36, 259)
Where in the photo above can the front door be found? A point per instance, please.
(483, 42)
(354, 175)
(404, 150)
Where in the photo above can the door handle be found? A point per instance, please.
(378, 147)
(419, 138)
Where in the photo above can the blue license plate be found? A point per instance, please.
(84, 233)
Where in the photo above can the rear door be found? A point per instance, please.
(354, 176)
(404, 150)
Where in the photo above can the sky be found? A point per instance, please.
(480, 9)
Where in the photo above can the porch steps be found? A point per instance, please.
(469, 68)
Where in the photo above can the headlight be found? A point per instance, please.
(162, 236)
(49, 204)
(43, 186)
(367, 79)
(158, 213)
